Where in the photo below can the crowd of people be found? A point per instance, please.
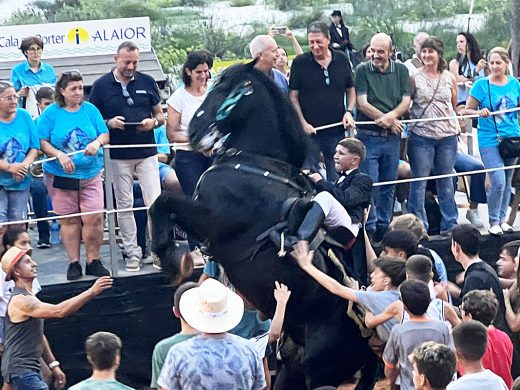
(422, 339)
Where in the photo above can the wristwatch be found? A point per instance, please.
(156, 125)
(54, 364)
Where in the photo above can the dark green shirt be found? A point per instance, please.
(161, 351)
(384, 90)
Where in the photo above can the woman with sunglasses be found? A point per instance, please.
(74, 182)
(18, 149)
(29, 76)
(498, 91)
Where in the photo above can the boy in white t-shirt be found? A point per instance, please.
(470, 339)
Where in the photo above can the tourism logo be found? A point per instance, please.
(78, 35)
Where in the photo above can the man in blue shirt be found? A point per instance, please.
(129, 102)
(264, 50)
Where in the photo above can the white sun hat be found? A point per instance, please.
(211, 307)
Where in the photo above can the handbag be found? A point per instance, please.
(66, 183)
(508, 147)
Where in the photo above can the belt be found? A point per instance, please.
(382, 133)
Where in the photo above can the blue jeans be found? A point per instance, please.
(13, 205)
(381, 163)
(500, 190)
(29, 381)
(324, 141)
(190, 166)
(39, 200)
(477, 188)
(438, 156)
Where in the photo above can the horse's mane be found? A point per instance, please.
(293, 134)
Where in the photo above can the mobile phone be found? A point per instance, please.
(132, 123)
(280, 30)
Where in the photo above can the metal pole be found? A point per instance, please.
(109, 193)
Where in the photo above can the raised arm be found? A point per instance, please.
(281, 294)
(30, 306)
(304, 259)
(512, 318)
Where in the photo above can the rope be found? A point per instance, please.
(386, 183)
(174, 146)
(441, 118)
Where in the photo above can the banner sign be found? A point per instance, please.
(69, 39)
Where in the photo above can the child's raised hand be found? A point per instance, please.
(281, 292)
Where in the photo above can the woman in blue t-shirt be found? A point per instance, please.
(74, 182)
(18, 149)
(498, 91)
(29, 76)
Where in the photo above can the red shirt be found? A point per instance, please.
(499, 355)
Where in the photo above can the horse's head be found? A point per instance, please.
(253, 113)
(231, 85)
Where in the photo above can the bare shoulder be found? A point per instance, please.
(25, 303)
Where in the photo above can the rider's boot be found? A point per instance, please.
(306, 231)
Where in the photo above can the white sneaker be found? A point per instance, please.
(133, 264)
(506, 228)
(473, 217)
(495, 230)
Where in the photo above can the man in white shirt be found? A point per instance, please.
(413, 64)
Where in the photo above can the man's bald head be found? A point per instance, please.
(263, 48)
(381, 38)
(260, 43)
(418, 40)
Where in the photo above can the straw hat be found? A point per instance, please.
(211, 307)
(9, 260)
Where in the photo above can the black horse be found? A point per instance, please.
(243, 194)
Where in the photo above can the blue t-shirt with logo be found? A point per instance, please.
(70, 131)
(23, 76)
(16, 139)
(502, 97)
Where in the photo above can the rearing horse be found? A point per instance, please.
(239, 198)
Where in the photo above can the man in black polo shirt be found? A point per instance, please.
(129, 102)
(383, 96)
(317, 87)
(478, 274)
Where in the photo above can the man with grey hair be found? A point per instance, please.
(383, 96)
(319, 82)
(264, 51)
(413, 64)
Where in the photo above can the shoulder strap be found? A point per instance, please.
(416, 62)
(429, 103)
(491, 107)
